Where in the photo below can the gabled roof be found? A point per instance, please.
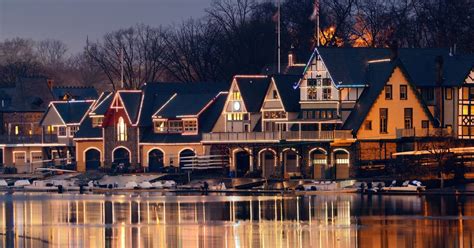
(157, 94)
(185, 105)
(377, 75)
(206, 121)
(253, 90)
(75, 92)
(131, 101)
(72, 112)
(290, 96)
(347, 66)
(27, 95)
(86, 131)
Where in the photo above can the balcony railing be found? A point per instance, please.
(423, 132)
(262, 137)
(27, 139)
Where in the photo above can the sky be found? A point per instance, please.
(72, 21)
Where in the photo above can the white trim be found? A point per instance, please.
(15, 152)
(80, 139)
(317, 149)
(283, 158)
(57, 112)
(129, 153)
(342, 150)
(99, 104)
(153, 116)
(169, 144)
(237, 150)
(101, 156)
(148, 155)
(265, 150)
(31, 156)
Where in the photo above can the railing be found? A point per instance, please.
(277, 136)
(27, 139)
(423, 132)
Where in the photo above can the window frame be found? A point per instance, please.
(405, 87)
(383, 116)
(388, 94)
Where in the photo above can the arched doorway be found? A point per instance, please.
(341, 161)
(186, 157)
(290, 161)
(121, 156)
(318, 161)
(92, 159)
(267, 163)
(155, 160)
(242, 163)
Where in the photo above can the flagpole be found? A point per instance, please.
(317, 25)
(279, 38)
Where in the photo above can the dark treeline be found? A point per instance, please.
(239, 37)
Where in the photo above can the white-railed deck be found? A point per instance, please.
(274, 137)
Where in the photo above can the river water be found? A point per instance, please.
(155, 220)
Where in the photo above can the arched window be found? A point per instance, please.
(121, 130)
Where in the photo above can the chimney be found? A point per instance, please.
(291, 56)
(394, 50)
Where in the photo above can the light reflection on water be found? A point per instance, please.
(147, 220)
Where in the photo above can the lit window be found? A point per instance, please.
(275, 94)
(97, 121)
(62, 131)
(160, 126)
(236, 95)
(17, 130)
(121, 130)
(425, 124)
(50, 130)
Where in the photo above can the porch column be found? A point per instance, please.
(251, 161)
(299, 130)
(319, 129)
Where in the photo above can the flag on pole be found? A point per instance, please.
(315, 13)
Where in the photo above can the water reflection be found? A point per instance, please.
(37, 220)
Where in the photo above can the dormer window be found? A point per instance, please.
(121, 130)
(160, 126)
(275, 94)
(175, 126)
(97, 121)
(190, 126)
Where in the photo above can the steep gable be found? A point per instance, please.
(395, 106)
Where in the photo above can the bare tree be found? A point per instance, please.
(136, 49)
(439, 147)
(17, 60)
(51, 53)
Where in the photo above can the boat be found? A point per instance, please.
(3, 184)
(167, 184)
(145, 185)
(327, 186)
(52, 185)
(407, 186)
(21, 183)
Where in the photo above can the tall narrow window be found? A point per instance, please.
(449, 94)
(121, 130)
(403, 92)
(408, 118)
(388, 92)
(383, 120)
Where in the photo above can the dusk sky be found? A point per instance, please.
(73, 20)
